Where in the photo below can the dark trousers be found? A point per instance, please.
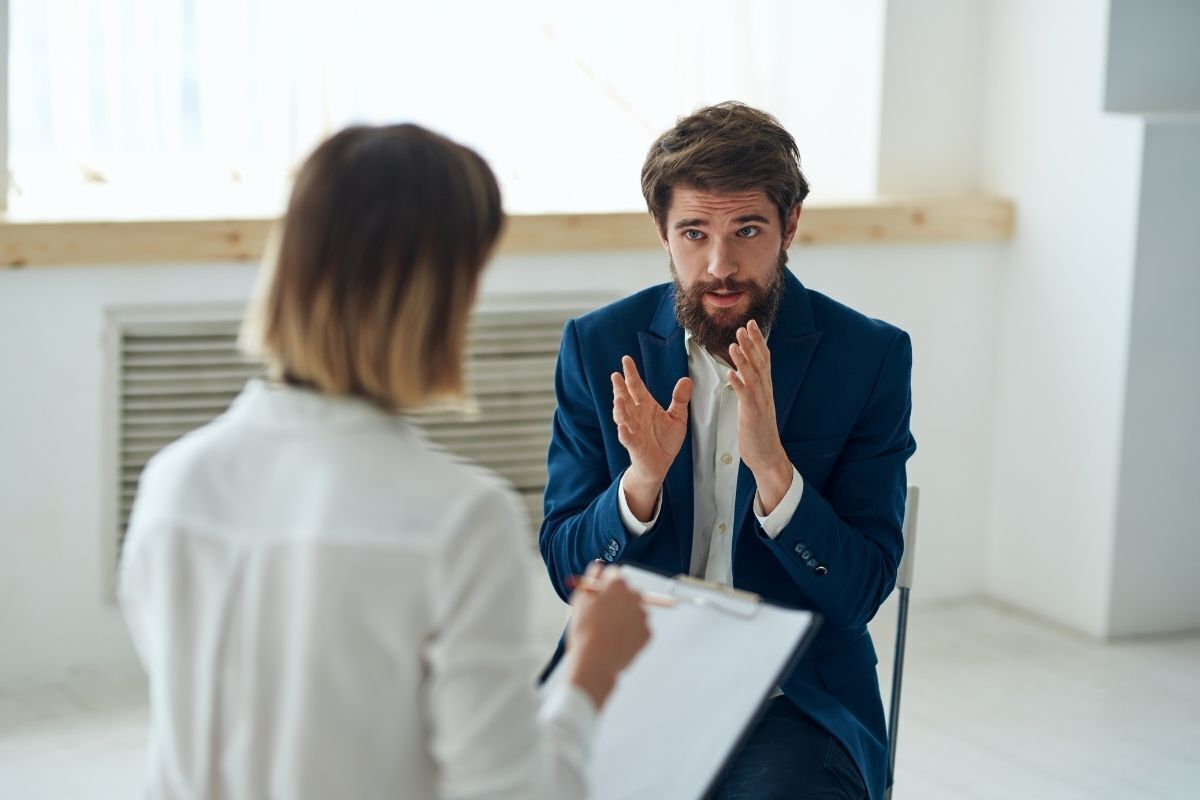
(787, 755)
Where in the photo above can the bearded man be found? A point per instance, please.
(733, 389)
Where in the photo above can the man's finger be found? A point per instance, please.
(756, 378)
(755, 331)
(619, 387)
(637, 389)
(752, 342)
(681, 395)
(745, 367)
(620, 412)
(736, 354)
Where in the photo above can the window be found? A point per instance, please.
(186, 107)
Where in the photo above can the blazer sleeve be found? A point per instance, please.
(582, 520)
(843, 544)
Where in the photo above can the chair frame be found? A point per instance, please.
(904, 576)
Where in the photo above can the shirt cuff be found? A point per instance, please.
(777, 520)
(632, 524)
(569, 716)
(572, 706)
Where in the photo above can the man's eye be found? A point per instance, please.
(693, 235)
(748, 232)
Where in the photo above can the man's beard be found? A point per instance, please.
(716, 330)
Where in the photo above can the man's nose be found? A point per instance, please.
(721, 262)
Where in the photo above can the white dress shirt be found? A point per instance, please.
(712, 414)
(327, 605)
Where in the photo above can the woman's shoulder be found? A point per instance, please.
(405, 480)
(444, 468)
(386, 481)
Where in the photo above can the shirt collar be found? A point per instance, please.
(280, 405)
(697, 356)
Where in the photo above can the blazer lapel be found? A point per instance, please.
(664, 362)
(792, 342)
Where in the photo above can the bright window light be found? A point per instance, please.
(205, 107)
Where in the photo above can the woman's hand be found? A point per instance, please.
(608, 628)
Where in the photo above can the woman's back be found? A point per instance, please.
(328, 605)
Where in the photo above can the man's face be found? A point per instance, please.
(728, 252)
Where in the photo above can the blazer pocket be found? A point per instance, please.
(846, 662)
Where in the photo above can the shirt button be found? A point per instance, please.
(721, 528)
(726, 459)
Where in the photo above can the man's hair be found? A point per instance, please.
(367, 290)
(729, 147)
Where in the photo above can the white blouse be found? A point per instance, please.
(328, 605)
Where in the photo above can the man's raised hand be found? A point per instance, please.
(758, 432)
(651, 434)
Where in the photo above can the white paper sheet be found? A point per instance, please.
(681, 707)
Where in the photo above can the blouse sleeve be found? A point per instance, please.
(489, 734)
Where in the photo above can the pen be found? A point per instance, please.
(587, 584)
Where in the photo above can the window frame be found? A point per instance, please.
(36, 244)
(33, 242)
(3, 106)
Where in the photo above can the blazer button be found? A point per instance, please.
(820, 569)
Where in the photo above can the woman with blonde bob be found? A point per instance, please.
(326, 604)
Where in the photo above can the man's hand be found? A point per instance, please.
(651, 434)
(758, 432)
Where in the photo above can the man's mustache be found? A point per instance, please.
(724, 285)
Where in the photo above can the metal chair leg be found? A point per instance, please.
(897, 679)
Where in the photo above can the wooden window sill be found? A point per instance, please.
(26, 244)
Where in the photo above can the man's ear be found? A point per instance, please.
(792, 224)
(661, 230)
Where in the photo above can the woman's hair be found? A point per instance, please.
(366, 289)
(729, 147)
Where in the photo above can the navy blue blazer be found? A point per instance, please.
(842, 399)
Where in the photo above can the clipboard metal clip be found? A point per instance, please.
(715, 595)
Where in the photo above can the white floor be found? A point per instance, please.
(996, 704)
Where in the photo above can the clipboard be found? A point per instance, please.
(682, 708)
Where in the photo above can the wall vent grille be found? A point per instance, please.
(177, 368)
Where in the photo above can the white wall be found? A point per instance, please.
(1154, 56)
(1157, 537)
(932, 97)
(1154, 66)
(945, 297)
(1096, 434)
(1064, 306)
(929, 144)
(54, 621)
